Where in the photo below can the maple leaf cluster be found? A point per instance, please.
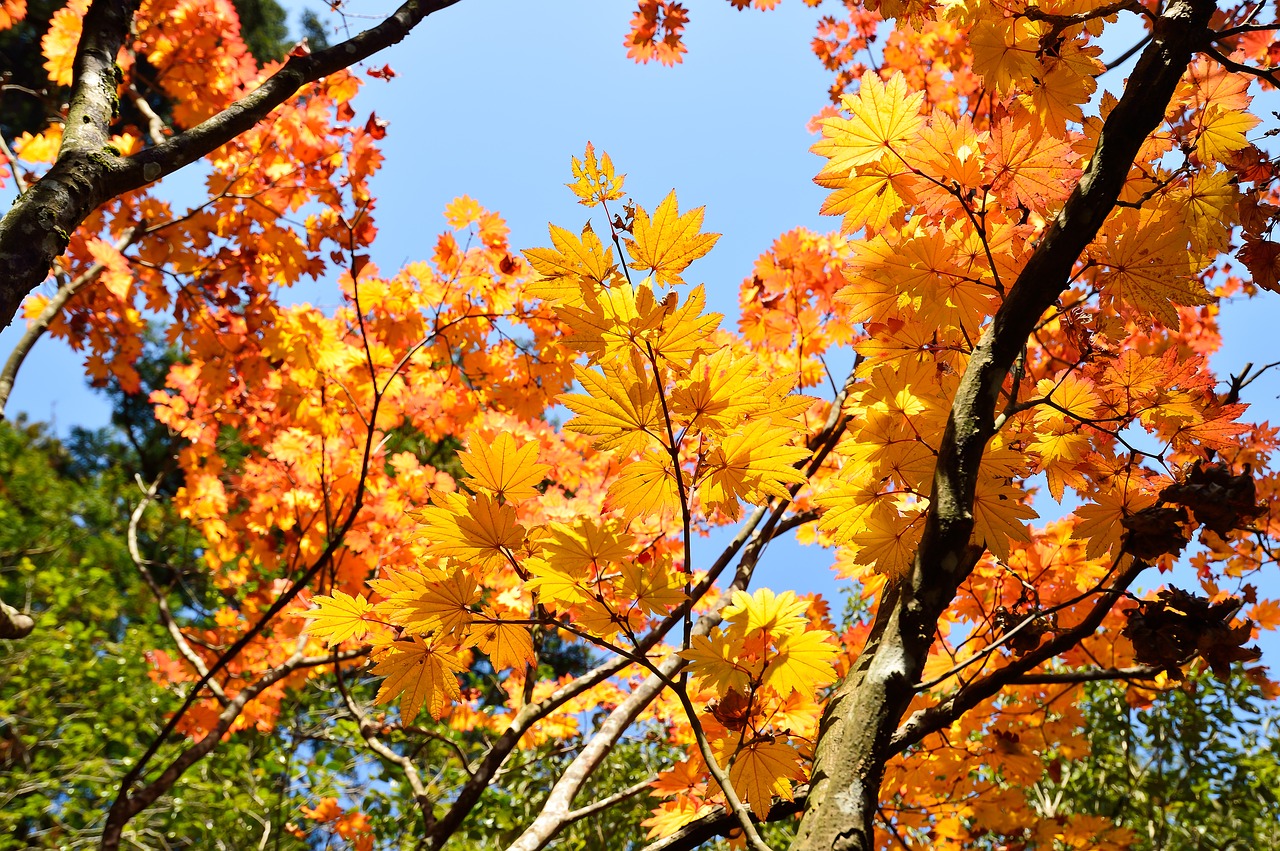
(397, 456)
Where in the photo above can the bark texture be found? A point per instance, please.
(858, 729)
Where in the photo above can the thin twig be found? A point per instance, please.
(162, 601)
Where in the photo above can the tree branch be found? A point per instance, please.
(39, 225)
(611, 801)
(147, 794)
(859, 727)
(162, 602)
(720, 822)
(925, 721)
(41, 323)
(369, 730)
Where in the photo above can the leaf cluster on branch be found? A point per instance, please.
(1026, 286)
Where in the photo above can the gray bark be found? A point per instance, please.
(857, 732)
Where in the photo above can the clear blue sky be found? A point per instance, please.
(494, 96)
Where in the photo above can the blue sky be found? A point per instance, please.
(493, 98)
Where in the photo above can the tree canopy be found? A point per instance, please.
(432, 551)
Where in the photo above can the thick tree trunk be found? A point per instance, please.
(861, 718)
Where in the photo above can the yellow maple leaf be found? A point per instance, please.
(1056, 99)
(763, 769)
(647, 487)
(594, 180)
(573, 257)
(777, 614)
(1004, 51)
(999, 515)
(654, 588)
(556, 588)
(339, 617)
(719, 392)
(685, 331)
(871, 197)
(715, 665)
(613, 324)
(499, 468)
(478, 529)
(1222, 132)
(752, 464)
(508, 645)
(444, 607)
(668, 242)
(850, 499)
(670, 816)
(1099, 520)
(41, 148)
(418, 673)
(882, 117)
(889, 540)
(803, 662)
(586, 546)
(620, 409)
(1144, 262)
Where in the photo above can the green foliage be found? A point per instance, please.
(1198, 769)
(77, 704)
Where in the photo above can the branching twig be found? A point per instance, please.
(41, 323)
(162, 600)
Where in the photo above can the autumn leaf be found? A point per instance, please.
(764, 769)
(668, 242)
(647, 486)
(498, 468)
(572, 256)
(620, 409)
(777, 614)
(444, 607)
(339, 617)
(714, 663)
(1027, 166)
(751, 464)
(882, 117)
(804, 662)
(594, 180)
(1222, 132)
(508, 645)
(479, 529)
(419, 674)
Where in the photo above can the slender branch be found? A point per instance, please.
(146, 795)
(369, 730)
(925, 721)
(605, 803)
(1035, 13)
(740, 812)
(444, 740)
(720, 822)
(1086, 675)
(155, 124)
(41, 323)
(162, 600)
(12, 162)
(1266, 74)
(1009, 634)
